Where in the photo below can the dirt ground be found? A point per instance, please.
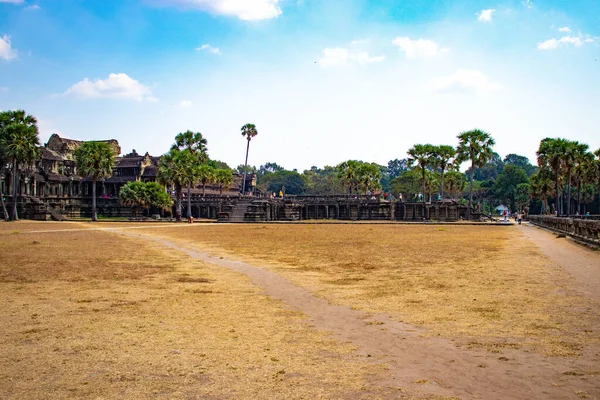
(452, 311)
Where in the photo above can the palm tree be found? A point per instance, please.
(419, 157)
(194, 142)
(541, 186)
(223, 177)
(572, 152)
(348, 174)
(369, 177)
(168, 175)
(476, 146)
(19, 146)
(3, 164)
(441, 158)
(249, 131)
(206, 174)
(94, 160)
(582, 169)
(596, 172)
(454, 182)
(549, 156)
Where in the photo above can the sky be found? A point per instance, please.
(323, 80)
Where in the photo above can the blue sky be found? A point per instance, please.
(323, 80)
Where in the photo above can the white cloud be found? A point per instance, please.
(6, 51)
(485, 15)
(528, 3)
(553, 44)
(566, 29)
(465, 80)
(185, 104)
(248, 10)
(338, 56)
(209, 48)
(419, 47)
(116, 86)
(33, 7)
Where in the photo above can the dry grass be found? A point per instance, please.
(95, 315)
(485, 287)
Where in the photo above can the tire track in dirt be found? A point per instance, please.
(430, 366)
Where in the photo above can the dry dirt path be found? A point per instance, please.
(580, 262)
(431, 366)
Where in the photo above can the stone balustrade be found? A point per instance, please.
(585, 230)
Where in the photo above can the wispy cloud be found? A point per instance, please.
(116, 86)
(566, 29)
(185, 104)
(6, 50)
(33, 7)
(528, 3)
(339, 57)
(419, 47)
(576, 41)
(209, 48)
(485, 15)
(465, 81)
(248, 10)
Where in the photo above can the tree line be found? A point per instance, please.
(565, 180)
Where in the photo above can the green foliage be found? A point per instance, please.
(95, 160)
(265, 169)
(408, 183)
(291, 180)
(522, 195)
(420, 157)
(474, 146)
(505, 187)
(522, 162)
(18, 147)
(193, 142)
(454, 183)
(223, 177)
(359, 176)
(240, 169)
(322, 181)
(216, 164)
(145, 195)
(396, 167)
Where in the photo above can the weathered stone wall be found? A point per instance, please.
(586, 230)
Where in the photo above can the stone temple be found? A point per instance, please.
(52, 189)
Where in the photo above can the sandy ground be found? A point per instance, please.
(435, 366)
(418, 362)
(582, 263)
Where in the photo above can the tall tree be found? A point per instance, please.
(597, 173)
(3, 168)
(583, 170)
(348, 174)
(169, 174)
(476, 146)
(248, 131)
(206, 174)
(505, 187)
(573, 152)
(195, 144)
(396, 167)
(442, 158)
(19, 146)
(369, 177)
(542, 187)
(94, 160)
(419, 157)
(550, 156)
(455, 182)
(223, 177)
